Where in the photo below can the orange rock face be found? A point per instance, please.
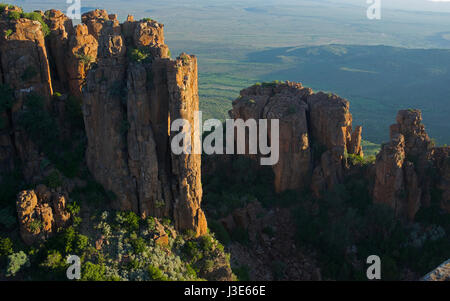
(24, 58)
(129, 89)
(315, 133)
(127, 109)
(38, 219)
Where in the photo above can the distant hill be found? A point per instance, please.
(377, 80)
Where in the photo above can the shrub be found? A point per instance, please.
(147, 19)
(73, 208)
(54, 261)
(69, 242)
(16, 262)
(35, 226)
(138, 55)
(129, 220)
(37, 17)
(14, 15)
(93, 272)
(209, 265)
(356, 160)
(3, 7)
(156, 274)
(190, 272)
(192, 250)
(8, 33)
(207, 243)
(85, 59)
(6, 246)
(138, 245)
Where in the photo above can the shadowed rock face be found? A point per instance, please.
(408, 168)
(127, 102)
(128, 107)
(315, 133)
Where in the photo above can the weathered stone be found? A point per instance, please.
(404, 165)
(38, 219)
(315, 133)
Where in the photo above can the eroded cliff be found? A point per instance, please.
(129, 89)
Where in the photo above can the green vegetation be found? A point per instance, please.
(8, 33)
(37, 17)
(156, 274)
(54, 180)
(35, 226)
(6, 247)
(356, 160)
(66, 154)
(147, 19)
(344, 226)
(128, 220)
(141, 55)
(185, 59)
(346, 218)
(16, 262)
(86, 59)
(15, 15)
(3, 7)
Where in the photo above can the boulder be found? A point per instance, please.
(38, 219)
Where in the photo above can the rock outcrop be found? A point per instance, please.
(40, 214)
(130, 90)
(128, 104)
(315, 133)
(408, 168)
(441, 273)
